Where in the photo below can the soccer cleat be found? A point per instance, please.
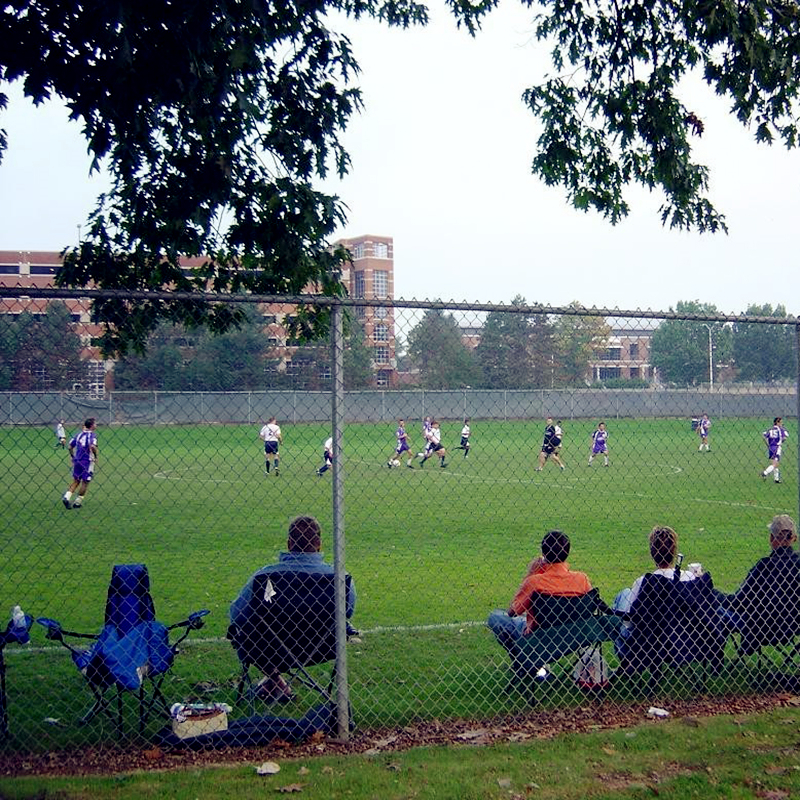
(66, 503)
(777, 480)
(409, 465)
(76, 506)
(276, 471)
(442, 465)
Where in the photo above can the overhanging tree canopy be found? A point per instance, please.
(214, 119)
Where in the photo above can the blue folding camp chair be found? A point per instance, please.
(17, 630)
(132, 652)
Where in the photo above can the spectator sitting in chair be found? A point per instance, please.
(767, 604)
(550, 575)
(304, 556)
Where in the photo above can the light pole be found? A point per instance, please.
(710, 358)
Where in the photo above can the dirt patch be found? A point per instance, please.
(465, 733)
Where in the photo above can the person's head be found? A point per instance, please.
(663, 546)
(89, 423)
(602, 426)
(777, 421)
(549, 420)
(305, 535)
(555, 547)
(272, 420)
(401, 422)
(782, 532)
(466, 420)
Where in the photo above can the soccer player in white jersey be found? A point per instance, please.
(435, 446)
(271, 436)
(327, 456)
(465, 433)
(427, 425)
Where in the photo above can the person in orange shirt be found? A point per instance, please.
(548, 574)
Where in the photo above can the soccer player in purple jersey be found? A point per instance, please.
(774, 437)
(703, 428)
(599, 444)
(83, 452)
(402, 446)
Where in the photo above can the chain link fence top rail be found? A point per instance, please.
(663, 447)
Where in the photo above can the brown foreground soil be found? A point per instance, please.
(521, 727)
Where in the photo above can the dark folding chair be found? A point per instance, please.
(289, 625)
(567, 625)
(132, 653)
(676, 623)
(18, 631)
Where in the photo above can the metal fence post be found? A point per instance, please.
(797, 403)
(337, 419)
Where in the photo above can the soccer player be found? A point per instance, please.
(774, 437)
(465, 431)
(435, 446)
(61, 434)
(551, 444)
(327, 456)
(402, 446)
(599, 444)
(703, 428)
(427, 425)
(271, 436)
(83, 452)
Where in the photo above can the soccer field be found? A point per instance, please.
(425, 545)
(429, 548)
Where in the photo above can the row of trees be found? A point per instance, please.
(40, 352)
(679, 349)
(516, 350)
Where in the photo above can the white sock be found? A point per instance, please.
(768, 470)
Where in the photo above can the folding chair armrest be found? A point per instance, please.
(193, 622)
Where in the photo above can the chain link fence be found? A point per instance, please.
(517, 507)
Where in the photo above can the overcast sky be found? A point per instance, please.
(441, 162)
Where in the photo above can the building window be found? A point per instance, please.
(611, 354)
(607, 373)
(359, 287)
(37, 269)
(381, 333)
(358, 251)
(381, 355)
(9, 269)
(381, 312)
(381, 283)
(634, 350)
(383, 378)
(634, 372)
(269, 319)
(361, 312)
(380, 250)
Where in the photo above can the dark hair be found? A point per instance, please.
(305, 535)
(663, 545)
(777, 420)
(89, 422)
(555, 547)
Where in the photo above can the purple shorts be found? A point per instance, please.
(402, 447)
(82, 471)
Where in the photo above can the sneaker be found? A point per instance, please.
(409, 465)
(277, 471)
(442, 465)
(77, 505)
(763, 476)
(777, 480)
(66, 503)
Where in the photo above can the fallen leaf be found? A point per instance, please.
(473, 734)
(317, 736)
(327, 770)
(773, 794)
(154, 754)
(610, 751)
(268, 768)
(292, 787)
(504, 783)
(393, 766)
(385, 742)
(303, 771)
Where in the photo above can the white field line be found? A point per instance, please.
(436, 626)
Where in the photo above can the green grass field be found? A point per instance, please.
(432, 550)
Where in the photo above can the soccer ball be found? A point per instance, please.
(396, 462)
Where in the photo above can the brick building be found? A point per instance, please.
(370, 275)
